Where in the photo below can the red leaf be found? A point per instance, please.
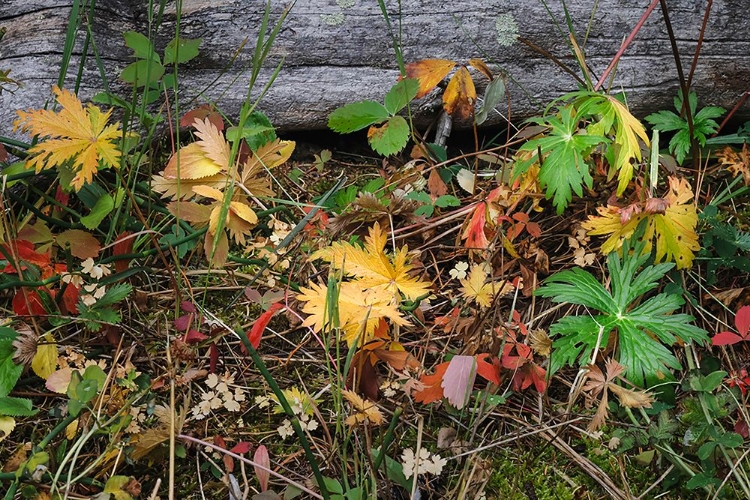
(533, 229)
(256, 332)
(742, 321)
(123, 246)
(213, 357)
(726, 338)
(24, 251)
(228, 461)
(241, 447)
(61, 196)
(490, 371)
(70, 298)
(187, 306)
(28, 303)
(261, 458)
(194, 336)
(432, 391)
(183, 322)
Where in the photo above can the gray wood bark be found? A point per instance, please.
(339, 51)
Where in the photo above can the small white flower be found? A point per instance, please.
(459, 271)
(212, 380)
(239, 394)
(231, 405)
(96, 272)
(88, 300)
(285, 429)
(428, 463)
(311, 425)
(262, 401)
(72, 279)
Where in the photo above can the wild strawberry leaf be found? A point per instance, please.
(458, 380)
(642, 327)
(400, 95)
(460, 95)
(356, 116)
(73, 133)
(390, 137)
(429, 72)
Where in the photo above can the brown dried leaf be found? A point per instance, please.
(631, 398)
(540, 342)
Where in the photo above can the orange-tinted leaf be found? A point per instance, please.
(474, 233)
(481, 66)
(82, 243)
(73, 133)
(26, 254)
(203, 112)
(433, 390)
(429, 72)
(488, 370)
(460, 95)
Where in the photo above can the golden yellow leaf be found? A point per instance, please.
(373, 268)
(71, 430)
(7, 424)
(364, 410)
(72, 133)
(460, 95)
(44, 363)
(627, 131)
(429, 72)
(182, 189)
(481, 66)
(359, 310)
(674, 230)
(205, 157)
(475, 289)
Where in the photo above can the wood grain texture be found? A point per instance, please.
(334, 54)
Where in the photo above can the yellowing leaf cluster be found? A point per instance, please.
(201, 171)
(73, 134)
(672, 225)
(373, 295)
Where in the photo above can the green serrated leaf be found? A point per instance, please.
(356, 116)
(9, 371)
(104, 205)
(389, 138)
(16, 407)
(401, 94)
(185, 51)
(643, 326)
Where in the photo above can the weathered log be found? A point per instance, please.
(340, 51)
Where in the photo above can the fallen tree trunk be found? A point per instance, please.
(337, 52)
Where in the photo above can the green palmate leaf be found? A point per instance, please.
(389, 138)
(401, 94)
(356, 116)
(564, 169)
(703, 124)
(642, 331)
(181, 51)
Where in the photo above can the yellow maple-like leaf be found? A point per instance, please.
(7, 424)
(429, 72)
(460, 95)
(364, 410)
(674, 230)
(44, 363)
(475, 289)
(736, 163)
(373, 268)
(73, 133)
(359, 310)
(205, 157)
